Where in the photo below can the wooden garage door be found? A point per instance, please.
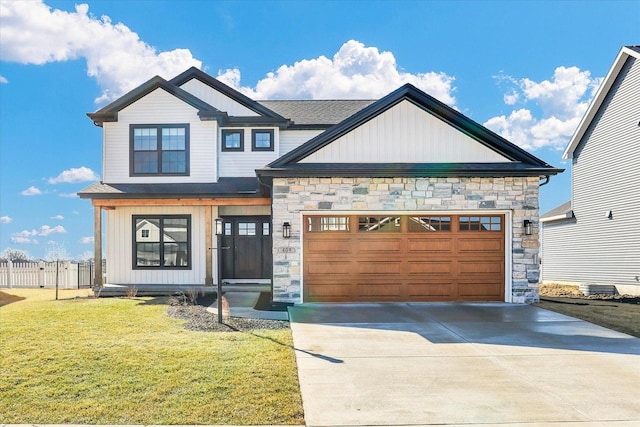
(370, 258)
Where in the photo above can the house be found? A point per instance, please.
(594, 239)
(399, 199)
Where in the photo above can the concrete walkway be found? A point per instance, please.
(462, 364)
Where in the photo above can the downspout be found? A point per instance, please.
(548, 178)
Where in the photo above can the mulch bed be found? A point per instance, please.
(199, 319)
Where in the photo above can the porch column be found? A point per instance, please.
(208, 212)
(97, 241)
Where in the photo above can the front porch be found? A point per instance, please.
(114, 290)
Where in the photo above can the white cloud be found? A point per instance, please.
(86, 240)
(3, 80)
(34, 33)
(29, 236)
(5, 219)
(69, 195)
(23, 238)
(45, 230)
(355, 71)
(58, 217)
(75, 175)
(31, 191)
(511, 98)
(562, 101)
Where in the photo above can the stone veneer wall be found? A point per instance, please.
(293, 195)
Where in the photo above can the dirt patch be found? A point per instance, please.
(618, 312)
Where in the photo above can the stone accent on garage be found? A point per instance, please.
(294, 195)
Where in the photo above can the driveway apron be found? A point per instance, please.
(461, 363)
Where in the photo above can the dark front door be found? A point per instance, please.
(246, 247)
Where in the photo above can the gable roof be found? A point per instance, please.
(521, 163)
(317, 114)
(195, 73)
(109, 113)
(598, 99)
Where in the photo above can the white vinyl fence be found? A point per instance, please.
(45, 274)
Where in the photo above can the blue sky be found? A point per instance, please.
(525, 69)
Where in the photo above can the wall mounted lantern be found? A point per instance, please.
(528, 227)
(218, 228)
(286, 230)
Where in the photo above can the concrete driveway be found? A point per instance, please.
(459, 363)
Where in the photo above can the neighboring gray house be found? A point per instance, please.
(595, 238)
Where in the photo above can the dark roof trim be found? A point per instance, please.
(427, 103)
(310, 127)
(109, 113)
(242, 187)
(390, 170)
(195, 73)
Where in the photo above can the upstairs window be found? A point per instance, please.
(232, 140)
(262, 140)
(159, 149)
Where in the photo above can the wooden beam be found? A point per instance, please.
(213, 201)
(208, 231)
(97, 246)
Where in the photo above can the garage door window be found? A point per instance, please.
(388, 224)
(327, 223)
(429, 223)
(480, 223)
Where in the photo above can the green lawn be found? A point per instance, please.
(124, 361)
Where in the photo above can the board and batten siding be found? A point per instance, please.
(290, 139)
(119, 247)
(405, 134)
(597, 249)
(244, 163)
(217, 99)
(159, 107)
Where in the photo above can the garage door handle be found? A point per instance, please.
(226, 247)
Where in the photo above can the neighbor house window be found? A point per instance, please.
(162, 241)
(159, 149)
(262, 140)
(232, 140)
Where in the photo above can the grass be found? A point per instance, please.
(611, 313)
(124, 361)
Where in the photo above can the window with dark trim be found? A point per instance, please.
(159, 149)
(232, 140)
(262, 140)
(162, 241)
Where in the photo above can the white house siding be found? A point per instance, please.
(245, 163)
(159, 107)
(290, 139)
(405, 134)
(119, 247)
(517, 197)
(606, 177)
(217, 99)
